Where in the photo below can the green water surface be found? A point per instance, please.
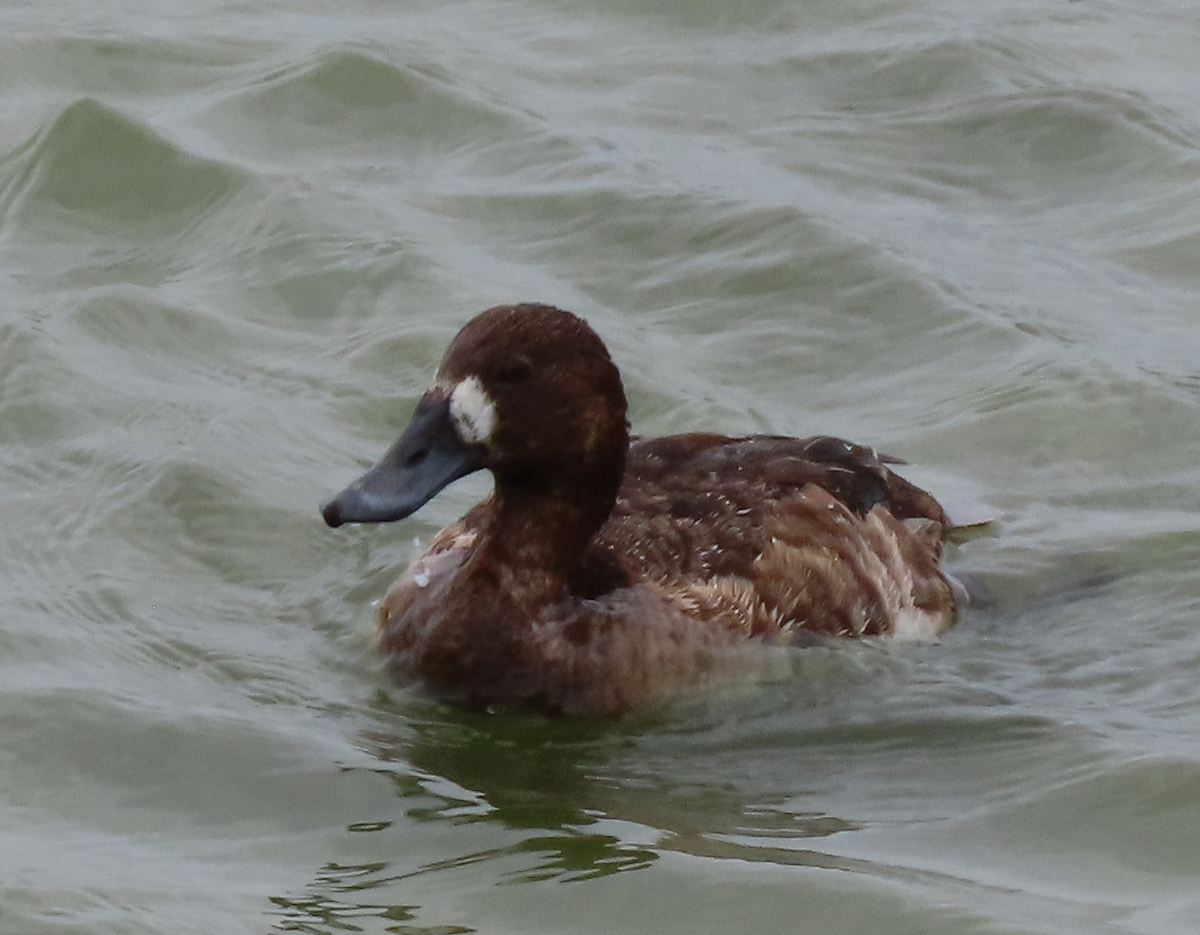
(234, 240)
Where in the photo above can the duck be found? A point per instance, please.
(607, 572)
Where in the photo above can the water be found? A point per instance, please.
(234, 240)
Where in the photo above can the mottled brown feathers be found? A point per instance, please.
(605, 572)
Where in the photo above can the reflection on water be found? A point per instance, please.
(764, 777)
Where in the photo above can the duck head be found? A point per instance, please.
(528, 392)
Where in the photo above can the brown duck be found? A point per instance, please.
(605, 572)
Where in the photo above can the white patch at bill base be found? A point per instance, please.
(472, 411)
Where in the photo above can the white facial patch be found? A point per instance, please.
(472, 411)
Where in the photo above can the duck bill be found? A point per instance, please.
(428, 456)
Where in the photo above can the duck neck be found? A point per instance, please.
(540, 529)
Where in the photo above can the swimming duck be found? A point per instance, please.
(607, 571)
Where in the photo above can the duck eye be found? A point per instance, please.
(517, 370)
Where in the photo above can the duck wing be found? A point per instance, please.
(768, 466)
(775, 531)
(702, 505)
